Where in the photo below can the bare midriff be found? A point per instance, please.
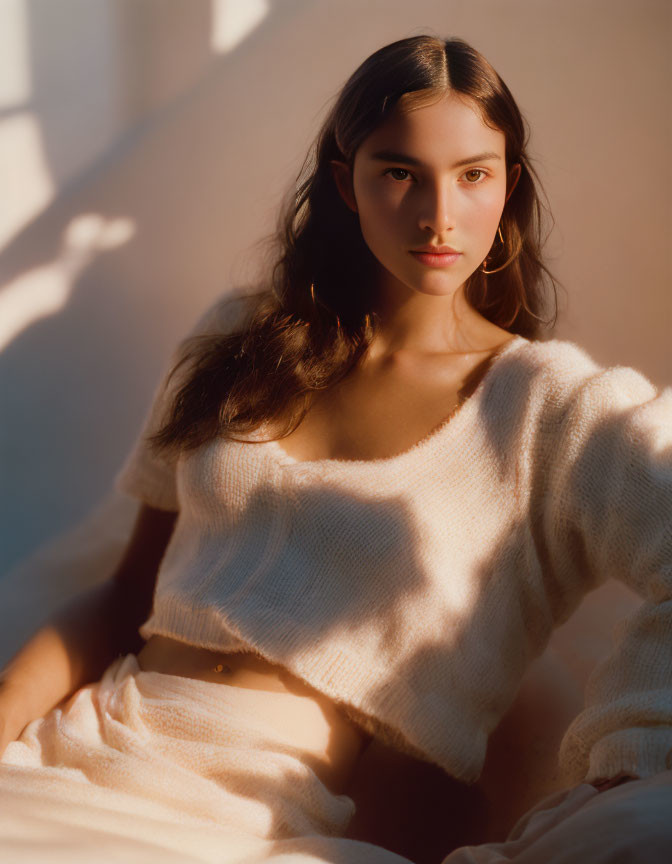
(333, 743)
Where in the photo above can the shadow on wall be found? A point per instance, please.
(98, 287)
(130, 253)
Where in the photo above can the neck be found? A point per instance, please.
(412, 322)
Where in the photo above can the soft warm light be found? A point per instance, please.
(15, 83)
(91, 232)
(234, 20)
(45, 290)
(25, 181)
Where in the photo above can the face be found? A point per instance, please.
(447, 185)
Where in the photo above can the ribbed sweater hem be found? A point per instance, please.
(324, 669)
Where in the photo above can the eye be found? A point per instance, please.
(475, 171)
(402, 170)
(481, 175)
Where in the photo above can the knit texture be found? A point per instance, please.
(415, 590)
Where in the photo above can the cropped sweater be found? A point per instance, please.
(415, 590)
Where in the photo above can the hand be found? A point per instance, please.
(7, 733)
(10, 726)
(604, 783)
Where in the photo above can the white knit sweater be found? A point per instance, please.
(415, 590)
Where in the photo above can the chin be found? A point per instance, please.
(437, 283)
(432, 284)
(438, 291)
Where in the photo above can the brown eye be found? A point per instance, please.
(400, 170)
(475, 171)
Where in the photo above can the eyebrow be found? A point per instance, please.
(394, 156)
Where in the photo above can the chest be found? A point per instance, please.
(378, 414)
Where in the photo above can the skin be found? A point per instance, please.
(424, 315)
(425, 319)
(401, 207)
(430, 345)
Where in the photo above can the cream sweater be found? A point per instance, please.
(415, 590)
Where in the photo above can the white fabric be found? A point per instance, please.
(521, 768)
(629, 823)
(147, 767)
(417, 589)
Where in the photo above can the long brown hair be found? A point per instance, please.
(313, 319)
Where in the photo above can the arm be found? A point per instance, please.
(75, 645)
(608, 513)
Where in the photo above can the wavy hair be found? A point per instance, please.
(306, 332)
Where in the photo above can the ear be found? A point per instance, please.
(343, 179)
(514, 177)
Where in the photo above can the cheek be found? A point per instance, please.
(381, 217)
(486, 211)
(387, 216)
(377, 202)
(480, 222)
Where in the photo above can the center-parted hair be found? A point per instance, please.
(313, 317)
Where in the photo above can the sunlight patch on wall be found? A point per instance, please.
(44, 290)
(233, 21)
(25, 181)
(15, 83)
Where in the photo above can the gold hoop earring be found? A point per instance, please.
(506, 263)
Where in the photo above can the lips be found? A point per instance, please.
(430, 259)
(437, 250)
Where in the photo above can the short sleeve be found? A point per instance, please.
(608, 514)
(151, 476)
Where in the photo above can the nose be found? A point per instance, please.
(436, 207)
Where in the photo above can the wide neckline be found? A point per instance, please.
(282, 458)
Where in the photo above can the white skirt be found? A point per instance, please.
(147, 767)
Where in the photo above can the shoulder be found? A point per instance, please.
(557, 388)
(558, 360)
(227, 314)
(596, 409)
(534, 376)
(603, 388)
(567, 373)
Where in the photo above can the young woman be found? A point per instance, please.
(370, 491)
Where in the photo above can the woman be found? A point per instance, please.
(369, 493)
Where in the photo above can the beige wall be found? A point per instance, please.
(144, 147)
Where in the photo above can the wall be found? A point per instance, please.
(144, 148)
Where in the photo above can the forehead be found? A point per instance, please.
(448, 128)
